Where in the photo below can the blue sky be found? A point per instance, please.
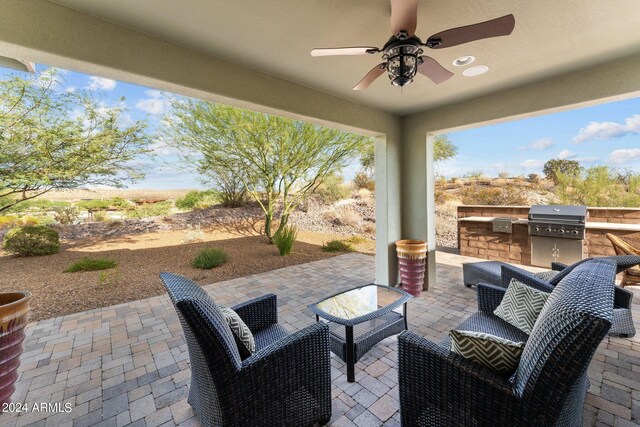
(603, 134)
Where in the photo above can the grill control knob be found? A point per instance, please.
(561, 231)
(548, 230)
(575, 231)
(536, 229)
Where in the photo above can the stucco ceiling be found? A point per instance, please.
(275, 36)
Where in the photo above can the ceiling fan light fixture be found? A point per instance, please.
(402, 64)
(475, 71)
(464, 60)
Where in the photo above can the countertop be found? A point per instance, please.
(594, 225)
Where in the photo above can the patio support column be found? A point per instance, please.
(418, 200)
(388, 208)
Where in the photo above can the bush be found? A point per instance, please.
(474, 175)
(210, 258)
(506, 195)
(285, 239)
(94, 205)
(91, 264)
(333, 189)
(100, 216)
(337, 246)
(504, 175)
(599, 186)
(534, 178)
(363, 180)
(32, 240)
(37, 205)
(554, 167)
(65, 215)
(120, 203)
(150, 209)
(345, 217)
(196, 199)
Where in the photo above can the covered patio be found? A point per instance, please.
(129, 363)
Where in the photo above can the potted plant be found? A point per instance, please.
(412, 255)
(14, 311)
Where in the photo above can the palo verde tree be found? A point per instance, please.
(278, 160)
(51, 139)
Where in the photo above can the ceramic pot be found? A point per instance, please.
(14, 313)
(412, 255)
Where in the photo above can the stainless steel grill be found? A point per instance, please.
(557, 233)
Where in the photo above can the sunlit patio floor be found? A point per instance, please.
(128, 364)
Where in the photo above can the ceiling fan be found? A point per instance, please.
(402, 54)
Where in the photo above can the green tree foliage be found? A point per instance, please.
(52, 139)
(552, 168)
(32, 240)
(599, 186)
(278, 160)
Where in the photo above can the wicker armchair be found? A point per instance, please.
(440, 388)
(287, 382)
(631, 276)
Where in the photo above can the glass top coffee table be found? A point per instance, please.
(361, 317)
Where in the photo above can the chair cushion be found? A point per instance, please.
(241, 331)
(498, 354)
(521, 305)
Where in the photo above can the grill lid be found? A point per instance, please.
(561, 213)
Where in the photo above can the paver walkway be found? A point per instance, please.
(128, 364)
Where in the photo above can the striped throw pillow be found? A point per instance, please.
(521, 305)
(241, 332)
(498, 354)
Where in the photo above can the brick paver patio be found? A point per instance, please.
(128, 364)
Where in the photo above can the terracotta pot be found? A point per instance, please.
(412, 255)
(14, 312)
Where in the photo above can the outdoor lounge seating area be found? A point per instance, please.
(129, 363)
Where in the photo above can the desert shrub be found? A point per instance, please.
(209, 258)
(441, 196)
(193, 234)
(100, 216)
(474, 175)
(344, 217)
(94, 204)
(505, 195)
(37, 205)
(65, 215)
(285, 239)
(363, 180)
(355, 240)
(32, 240)
(18, 221)
(554, 167)
(109, 278)
(91, 264)
(504, 175)
(197, 199)
(333, 189)
(599, 186)
(150, 209)
(369, 228)
(120, 203)
(337, 246)
(533, 178)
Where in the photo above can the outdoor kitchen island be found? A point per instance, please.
(509, 240)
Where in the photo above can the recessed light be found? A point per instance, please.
(464, 60)
(475, 71)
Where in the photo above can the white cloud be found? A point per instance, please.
(531, 164)
(566, 154)
(70, 89)
(608, 130)
(101, 83)
(157, 103)
(625, 155)
(542, 144)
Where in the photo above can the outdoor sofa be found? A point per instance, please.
(441, 388)
(500, 274)
(286, 382)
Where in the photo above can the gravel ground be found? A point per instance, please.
(140, 259)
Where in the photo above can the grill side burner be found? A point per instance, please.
(557, 234)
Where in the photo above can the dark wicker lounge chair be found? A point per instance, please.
(287, 382)
(440, 388)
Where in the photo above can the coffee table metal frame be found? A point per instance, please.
(361, 333)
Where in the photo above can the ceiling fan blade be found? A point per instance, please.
(432, 69)
(502, 26)
(356, 50)
(404, 16)
(375, 72)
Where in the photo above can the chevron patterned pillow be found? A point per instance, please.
(498, 354)
(521, 305)
(240, 330)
